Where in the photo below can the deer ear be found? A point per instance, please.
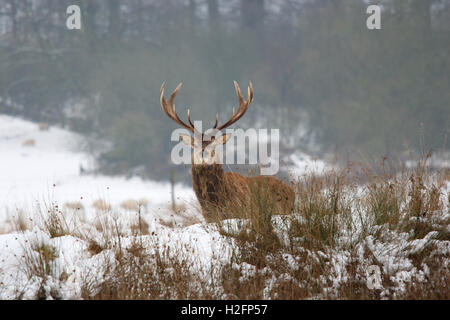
(187, 140)
(223, 139)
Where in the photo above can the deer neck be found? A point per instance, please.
(208, 181)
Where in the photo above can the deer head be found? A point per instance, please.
(205, 143)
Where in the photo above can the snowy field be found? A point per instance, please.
(42, 178)
(40, 169)
(48, 171)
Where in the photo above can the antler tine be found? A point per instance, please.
(250, 91)
(217, 121)
(174, 93)
(243, 105)
(239, 94)
(169, 108)
(163, 101)
(189, 118)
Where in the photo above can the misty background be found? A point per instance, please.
(327, 82)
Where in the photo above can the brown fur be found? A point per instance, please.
(225, 195)
(281, 197)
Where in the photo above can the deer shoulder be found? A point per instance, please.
(279, 194)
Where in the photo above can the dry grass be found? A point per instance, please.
(29, 143)
(328, 208)
(345, 221)
(43, 126)
(325, 203)
(74, 206)
(39, 259)
(182, 215)
(139, 272)
(143, 202)
(94, 247)
(53, 222)
(140, 227)
(101, 205)
(20, 222)
(130, 205)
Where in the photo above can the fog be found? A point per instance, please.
(330, 84)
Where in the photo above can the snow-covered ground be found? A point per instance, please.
(44, 175)
(43, 167)
(40, 169)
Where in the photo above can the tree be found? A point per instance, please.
(252, 14)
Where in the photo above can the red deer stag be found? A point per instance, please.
(226, 194)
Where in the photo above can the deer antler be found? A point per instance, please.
(243, 106)
(169, 108)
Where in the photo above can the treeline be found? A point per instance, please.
(366, 93)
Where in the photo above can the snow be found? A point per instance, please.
(35, 179)
(302, 163)
(45, 176)
(49, 172)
